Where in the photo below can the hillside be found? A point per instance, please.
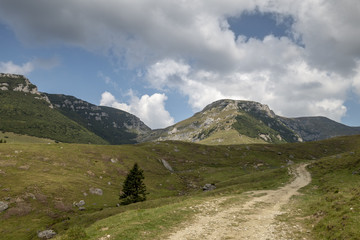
(40, 183)
(113, 125)
(233, 122)
(24, 110)
(318, 128)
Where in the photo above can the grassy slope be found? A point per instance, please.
(10, 138)
(24, 114)
(59, 174)
(331, 203)
(104, 128)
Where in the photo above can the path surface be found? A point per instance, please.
(252, 218)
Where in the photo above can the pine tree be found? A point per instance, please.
(134, 189)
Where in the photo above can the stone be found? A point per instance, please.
(167, 165)
(209, 187)
(79, 204)
(96, 191)
(47, 234)
(3, 206)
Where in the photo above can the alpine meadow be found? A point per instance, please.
(179, 120)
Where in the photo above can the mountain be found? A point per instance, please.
(233, 122)
(113, 125)
(318, 128)
(25, 110)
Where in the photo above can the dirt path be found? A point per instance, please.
(252, 218)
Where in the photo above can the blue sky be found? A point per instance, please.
(164, 60)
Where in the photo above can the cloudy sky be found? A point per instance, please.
(163, 60)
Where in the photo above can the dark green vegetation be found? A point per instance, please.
(25, 113)
(134, 189)
(24, 110)
(113, 125)
(40, 182)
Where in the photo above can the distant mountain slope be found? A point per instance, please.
(113, 125)
(24, 110)
(233, 122)
(318, 128)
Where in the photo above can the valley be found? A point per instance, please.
(41, 183)
(63, 162)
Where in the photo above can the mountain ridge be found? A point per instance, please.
(224, 121)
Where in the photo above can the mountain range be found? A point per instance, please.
(25, 110)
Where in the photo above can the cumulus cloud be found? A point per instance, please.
(188, 46)
(28, 67)
(150, 109)
(10, 67)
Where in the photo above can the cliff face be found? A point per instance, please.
(115, 126)
(19, 83)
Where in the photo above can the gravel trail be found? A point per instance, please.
(253, 217)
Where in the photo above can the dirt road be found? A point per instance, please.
(252, 217)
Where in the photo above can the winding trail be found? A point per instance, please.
(252, 218)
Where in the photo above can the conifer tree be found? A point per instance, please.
(134, 189)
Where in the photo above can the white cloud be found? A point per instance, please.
(10, 67)
(150, 109)
(28, 67)
(187, 46)
(295, 91)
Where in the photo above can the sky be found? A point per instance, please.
(164, 60)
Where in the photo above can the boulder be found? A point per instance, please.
(3, 206)
(209, 187)
(96, 191)
(47, 234)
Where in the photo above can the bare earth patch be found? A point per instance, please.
(251, 216)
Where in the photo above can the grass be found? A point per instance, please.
(330, 204)
(19, 138)
(25, 114)
(41, 181)
(229, 137)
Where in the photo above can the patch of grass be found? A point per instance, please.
(229, 137)
(330, 205)
(19, 138)
(41, 181)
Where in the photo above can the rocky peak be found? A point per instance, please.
(246, 106)
(249, 106)
(19, 83)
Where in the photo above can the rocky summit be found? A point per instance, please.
(25, 110)
(234, 121)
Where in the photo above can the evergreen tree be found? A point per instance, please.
(134, 189)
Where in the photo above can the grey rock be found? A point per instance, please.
(82, 208)
(167, 165)
(209, 187)
(47, 234)
(3, 206)
(96, 191)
